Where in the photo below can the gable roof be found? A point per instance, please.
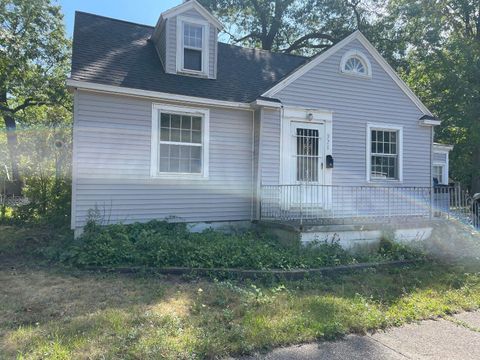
(119, 53)
(192, 5)
(316, 60)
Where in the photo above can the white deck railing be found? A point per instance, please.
(326, 204)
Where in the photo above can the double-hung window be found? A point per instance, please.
(179, 142)
(192, 46)
(438, 174)
(384, 155)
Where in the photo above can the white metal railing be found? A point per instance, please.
(455, 202)
(331, 204)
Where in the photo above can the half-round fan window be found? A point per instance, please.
(355, 63)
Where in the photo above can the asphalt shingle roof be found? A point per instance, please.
(115, 52)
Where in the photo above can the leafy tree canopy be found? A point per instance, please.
(292, 26)
(34, 62)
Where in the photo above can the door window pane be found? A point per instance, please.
(307, 154)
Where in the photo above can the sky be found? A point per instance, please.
(139, 11)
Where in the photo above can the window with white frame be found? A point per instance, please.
(384, 158)
(179, 141)
(192, 49)
(438, 174)
(355, 63)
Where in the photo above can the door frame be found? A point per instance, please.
(307, 116)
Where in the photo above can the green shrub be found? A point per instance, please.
(165, 244)
(395, 251)
(49, 202)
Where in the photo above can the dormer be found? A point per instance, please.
(186, 40)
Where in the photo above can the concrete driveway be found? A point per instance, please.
(457, 337)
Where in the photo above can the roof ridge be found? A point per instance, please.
(113, 19)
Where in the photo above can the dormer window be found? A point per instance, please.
(192, 46)
(355, 63)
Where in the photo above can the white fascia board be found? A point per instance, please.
(267, 104)
(195, 5)
(429, 122)
(83, 85)
(442, 148)
(357, 35)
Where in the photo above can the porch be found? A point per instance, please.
(313, 204)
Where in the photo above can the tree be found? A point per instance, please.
(34, 62)
(444, 69)
(292, 26)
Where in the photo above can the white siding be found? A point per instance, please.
(355, 102)
(112, 165)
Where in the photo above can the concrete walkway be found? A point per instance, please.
(455, 338)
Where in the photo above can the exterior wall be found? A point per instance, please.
(159, 38)
(356, 102)
(171, 44)
(440, 157)
(111, 156)
(270, 133)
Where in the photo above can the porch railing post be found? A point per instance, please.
(432, 193)
(301, 203)
(388, 205)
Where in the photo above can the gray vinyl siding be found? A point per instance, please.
(162, 43)
(112, 136)
(256, 160)
(440, 157)
(270, 147)
(356, 102)
(171, 44)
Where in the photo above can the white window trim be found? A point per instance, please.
(205, 45)
(363, 58)
(205, 114)
(385, 127)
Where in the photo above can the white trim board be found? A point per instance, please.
(192, 5)
(386, 127)
(205, 113)
(84, 85)
(179, 58)
(357, 35)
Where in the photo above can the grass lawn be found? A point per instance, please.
(53, 313)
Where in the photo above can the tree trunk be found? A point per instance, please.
(12, 143)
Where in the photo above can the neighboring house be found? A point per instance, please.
(170, 122)
(440, 163)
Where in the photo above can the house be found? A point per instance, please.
(170, 122)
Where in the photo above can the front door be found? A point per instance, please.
(307, 163)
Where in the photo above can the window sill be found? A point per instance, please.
(199, 74)
(178, 176)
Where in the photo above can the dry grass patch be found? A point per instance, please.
(53, 314)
